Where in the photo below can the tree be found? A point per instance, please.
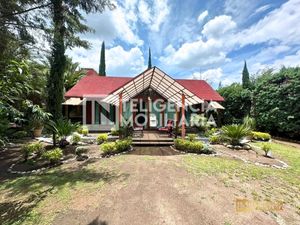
(149, 60)
(72, 74)
(102, 67)
(237, 103)
(246, 78)
(277, 108)
(67, 23)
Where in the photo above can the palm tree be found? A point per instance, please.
(72, 74)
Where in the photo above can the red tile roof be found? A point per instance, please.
(202, 89)
(93, 84)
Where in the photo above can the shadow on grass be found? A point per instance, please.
(16, 211)
(37, 187)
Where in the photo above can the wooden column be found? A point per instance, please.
(148, 113)
(120, 109)
(183, 116)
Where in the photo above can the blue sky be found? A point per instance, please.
(201, 39)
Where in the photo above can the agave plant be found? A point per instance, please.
(235, 132)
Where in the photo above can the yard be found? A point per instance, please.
(154, 189)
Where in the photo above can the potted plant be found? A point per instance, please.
(38, 118)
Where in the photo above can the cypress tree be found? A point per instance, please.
(149, 60)
(102, 71)
(246, 77)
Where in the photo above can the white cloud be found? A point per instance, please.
(195, 54)
(153, 16)
(240, 10)
(202, 16)
(211, 75)
(119, 62)
(124, 63)
(218, 27)
(280, 24)
(116, 24)
(262, 9)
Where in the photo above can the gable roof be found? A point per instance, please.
(94, 85)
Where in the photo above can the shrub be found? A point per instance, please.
(188, 146)
(266, 148)
(192, 137)
(234, 133)
(260, 136)
(123, 145)
(32, 148)
(210, 132)
(19, 134)
(214, 139)
(114, 132)
(85, 131)
(81, 150)
(75, 138)
(53, 156)
(108, 148)
(102, 138)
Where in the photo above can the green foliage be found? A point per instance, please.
(192, 137)
(266, 147)
(234, 133)
(38, 116)
(123, 145)
(189, 146)
(75, 138)
(199, 121)
(85, 131)
(53, 156)
(110, 148)
(210, 132)
(126, 131)
(149, 60)
(19, 134)
(276, 103)
(102, 138)
(249, 122)
(65, 128)
(102, 69)
(33, 148)
(246, 78)
(81, 150)
(237, 103)
(114, 131)
(214, 139)
(261, 136)
(72, 74)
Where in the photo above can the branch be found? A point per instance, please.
(26, 10)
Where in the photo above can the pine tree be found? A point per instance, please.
(246, 77)
(149, 60)
(102, 66)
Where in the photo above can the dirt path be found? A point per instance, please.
(159, 190)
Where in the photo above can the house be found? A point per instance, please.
(149, 100)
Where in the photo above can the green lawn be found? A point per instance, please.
(37, 199)
(282, 184)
